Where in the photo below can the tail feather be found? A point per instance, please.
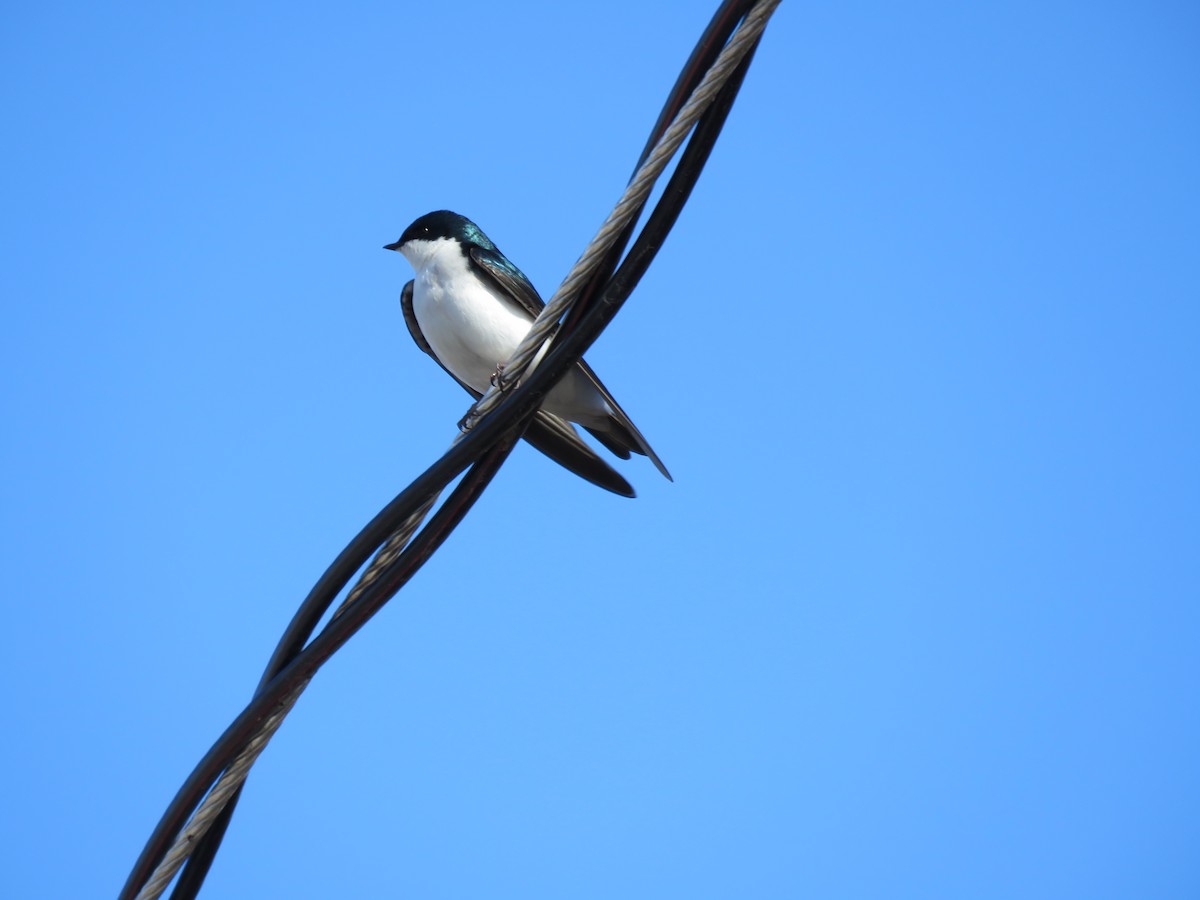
(622, 437)
(613, 443)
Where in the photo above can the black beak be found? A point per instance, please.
(395, 246)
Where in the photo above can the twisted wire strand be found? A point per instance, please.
(202, 819)
(207, 811)
(388, 552)
(635, 194)
(630, 202)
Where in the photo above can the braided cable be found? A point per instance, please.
(229, 782)
(627, 207)
(202, 819)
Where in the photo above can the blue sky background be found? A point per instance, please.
(919, 617)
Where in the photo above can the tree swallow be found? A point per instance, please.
(469, 308)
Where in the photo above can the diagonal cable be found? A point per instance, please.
(631, 202)
(743, 42)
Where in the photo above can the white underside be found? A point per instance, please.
(473, 327)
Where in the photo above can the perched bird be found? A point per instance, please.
(469, 307)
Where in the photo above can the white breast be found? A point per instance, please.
(473, 327)
(468, 323)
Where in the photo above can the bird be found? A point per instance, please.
(469, 307)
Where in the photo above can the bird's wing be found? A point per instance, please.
(414, 329)
(495, 266)
(627, 436)
(410, 319)
(550, 434)
(557, 439)
(512, 282)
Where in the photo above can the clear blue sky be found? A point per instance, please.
(920, 615)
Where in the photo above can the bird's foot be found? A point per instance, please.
(468, 421)
(499, 381)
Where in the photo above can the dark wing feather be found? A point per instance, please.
(548, 433)
(556, 438)
(622, 433)
(495, 266)
(410, 319)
